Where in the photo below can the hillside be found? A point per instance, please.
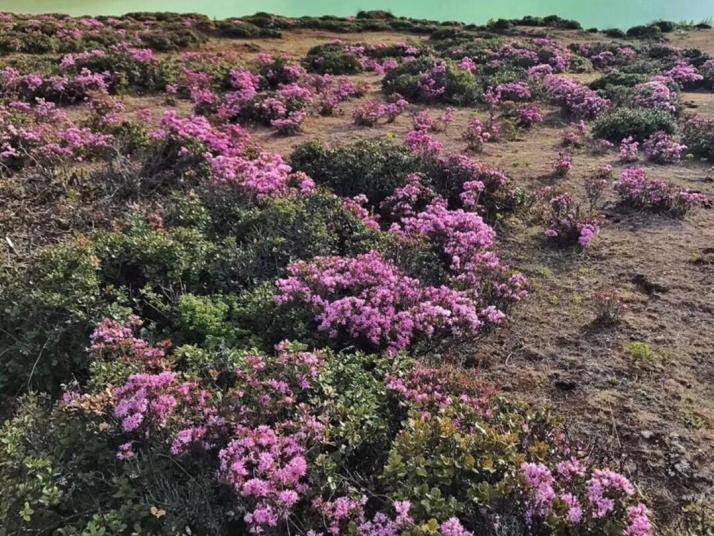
(355, 276)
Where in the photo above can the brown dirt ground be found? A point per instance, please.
(653, 414)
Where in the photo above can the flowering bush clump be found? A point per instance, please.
(58, 89)
(571, 497)
(366, 300)
(563, 164)
(423, 144)
(608, 308)
(661, 148)
(567, 226)
(629, 150)
(476, 134)
(698, 135)
(597, 184)
(577, 99)
(527, 116)
(639, 191)
(222, 151)
(655, 94)
(371, 112)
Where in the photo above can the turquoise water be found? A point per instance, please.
(600, 13)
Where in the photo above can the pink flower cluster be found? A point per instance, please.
(639, 191)
(629, 150)
(513, 91)
(369, 301)
(463, 238)
(370, 113)
(563, 164)
(661, 148)
(342, 513)
(567, 226)
(685, 74)
(576, 98)
(59, 89)
(476, 134)
(146, 402)
(655, 94)
(116, 340)
(527, 116)
(267, 468)
(223, 150)
(575, 498)
(421, 143)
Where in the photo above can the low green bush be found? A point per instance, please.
(331, 58)
(621, 123)
(370, 167)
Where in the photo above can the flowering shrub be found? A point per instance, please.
(368, 301)
(576, 98)
(567, 226)
(290, 124)
(656, 95)
(58, 89)
(572, 497)
(698, 135)
(222, 151)
(563, 164)
(513, 91)
(527, 116)
(685, 74)
(596, 185)
(41, 134)
(608, 308)
(637, 190)
(423, 144)
(476, 134)
(661, 148)
(629, 150)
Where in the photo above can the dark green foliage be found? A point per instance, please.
(645, 32)
(698, 136)
(615, 33)
(370, 167)
(460, 87)
(375, 14)
(331, 58)
(638, 123)
(618, 78)
(46, 315)
(60, 475)
(665, 26)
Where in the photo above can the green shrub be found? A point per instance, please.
(331, 58)
(698, 136)
(370, 167)
(615, 33)
(617, 78)
(460, 87)
(638, 123)
(177, 259)
(285, 230)
(645, 32)
(46, 315)
(665, 26)
(61, 476)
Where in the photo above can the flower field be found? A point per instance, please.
(368, 276)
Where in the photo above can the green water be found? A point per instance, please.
(600, 13)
